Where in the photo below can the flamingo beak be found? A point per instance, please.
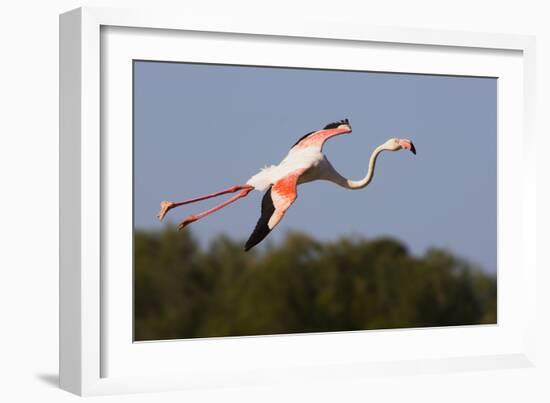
(407, 145)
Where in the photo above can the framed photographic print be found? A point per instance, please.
(207, 240)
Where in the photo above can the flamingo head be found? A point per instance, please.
(396, 144)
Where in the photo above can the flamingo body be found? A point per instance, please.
(298, 159)
(305, 162)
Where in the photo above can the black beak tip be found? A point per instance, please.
(413, 150)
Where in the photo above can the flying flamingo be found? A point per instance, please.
(305, 162)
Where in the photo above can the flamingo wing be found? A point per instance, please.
(276, 201)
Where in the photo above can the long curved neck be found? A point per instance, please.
(360, 184)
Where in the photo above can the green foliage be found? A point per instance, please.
(302, 285)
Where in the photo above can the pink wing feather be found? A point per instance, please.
(276, 201)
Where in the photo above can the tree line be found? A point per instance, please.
(300, 285)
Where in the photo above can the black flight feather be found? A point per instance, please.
(261, 230)
(332, 125)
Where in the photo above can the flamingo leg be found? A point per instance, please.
(193, 218)
(166, 206)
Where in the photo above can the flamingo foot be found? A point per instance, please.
(165, 206)
(186, 222)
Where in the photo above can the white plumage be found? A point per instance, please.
(301, 158)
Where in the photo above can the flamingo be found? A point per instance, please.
(305, 162)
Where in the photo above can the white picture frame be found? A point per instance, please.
(96, 354)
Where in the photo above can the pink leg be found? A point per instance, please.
(193, 218)
(166, 206)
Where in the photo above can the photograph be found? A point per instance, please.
(276, 200)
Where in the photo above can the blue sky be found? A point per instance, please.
(200, 128)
